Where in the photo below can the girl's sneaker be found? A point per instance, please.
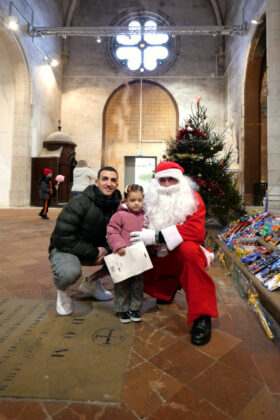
(124, 317)
(135, 315)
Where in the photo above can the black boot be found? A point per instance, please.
(166, 302)
(201, 330)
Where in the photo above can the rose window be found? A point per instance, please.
(143, 52)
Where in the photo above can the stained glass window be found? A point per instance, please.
(144, 52)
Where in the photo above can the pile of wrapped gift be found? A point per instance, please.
(243, 238)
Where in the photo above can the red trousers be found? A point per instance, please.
(184, 266)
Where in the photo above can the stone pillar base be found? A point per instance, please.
(19, 198)
(274, 197)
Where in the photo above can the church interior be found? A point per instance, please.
(111, 82)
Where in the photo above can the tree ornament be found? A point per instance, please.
(197, 143)
(164, 156)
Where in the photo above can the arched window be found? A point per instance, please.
(139, 118)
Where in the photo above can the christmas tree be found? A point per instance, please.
(195, 148)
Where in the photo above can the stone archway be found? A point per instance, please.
(138, 118)
(255, 128)
(19, 183)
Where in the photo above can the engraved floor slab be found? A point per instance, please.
(79, 357)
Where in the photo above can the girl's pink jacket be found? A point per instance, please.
(121, 224)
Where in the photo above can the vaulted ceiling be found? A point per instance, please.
(70, 6)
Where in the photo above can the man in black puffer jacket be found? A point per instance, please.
(79, 237)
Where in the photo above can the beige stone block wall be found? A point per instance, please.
(36, 104)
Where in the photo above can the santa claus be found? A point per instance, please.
(176, 215)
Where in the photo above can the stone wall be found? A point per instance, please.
(237, 51)
(34, 101)
(90, 78)
(33, 96)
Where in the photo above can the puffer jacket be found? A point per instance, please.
(82, 178)
(81, 226)
(46, 188)
(121, 224)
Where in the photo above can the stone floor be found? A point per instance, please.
(235, 376)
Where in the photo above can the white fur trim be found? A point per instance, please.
(173, 173)
(172, 237)
(168, 206)
(209, 256)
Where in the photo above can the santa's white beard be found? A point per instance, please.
(167, 206)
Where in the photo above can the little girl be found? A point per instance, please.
(128, 218)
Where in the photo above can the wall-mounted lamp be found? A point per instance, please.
(256, 22)
(12, 23)
(54, 62)
(98, 40)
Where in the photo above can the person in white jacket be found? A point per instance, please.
(83, 176)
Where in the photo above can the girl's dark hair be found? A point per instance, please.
(132, 188)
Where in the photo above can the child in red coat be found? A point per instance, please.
(128, 218)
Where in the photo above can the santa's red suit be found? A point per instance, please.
(187, 259)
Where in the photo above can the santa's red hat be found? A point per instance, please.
(47, 171)
(169, 169)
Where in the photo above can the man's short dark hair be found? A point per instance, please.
(106, 168)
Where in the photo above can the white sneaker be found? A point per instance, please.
(95, 289)
(64, 305)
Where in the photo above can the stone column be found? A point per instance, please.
(273, 101)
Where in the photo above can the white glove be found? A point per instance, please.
(148, 236)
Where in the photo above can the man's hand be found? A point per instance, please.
(101, 254)
(148, 236)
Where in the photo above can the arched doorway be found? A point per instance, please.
(139, 117)
(255, 135)
(15, 138)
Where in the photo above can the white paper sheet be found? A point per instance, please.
(135, 261)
